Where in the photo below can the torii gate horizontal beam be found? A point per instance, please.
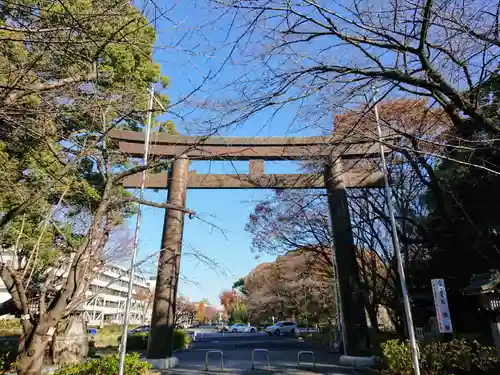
(247, 148)
(352, 179)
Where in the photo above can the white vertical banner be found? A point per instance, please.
(441, 304)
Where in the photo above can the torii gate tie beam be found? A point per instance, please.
(330, 150)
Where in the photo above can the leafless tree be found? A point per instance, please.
(300, 220)
(185, 311)
(287, 289)
(323, 55)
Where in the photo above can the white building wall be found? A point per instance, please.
(8, 258)
(107, 296)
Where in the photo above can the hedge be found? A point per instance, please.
(108, 366)
(139, 341)
(456, 357)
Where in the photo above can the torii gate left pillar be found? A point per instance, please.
(160, 342)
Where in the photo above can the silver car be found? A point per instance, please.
(241, 327)
(282, 328)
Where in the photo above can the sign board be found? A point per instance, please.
(441, 304)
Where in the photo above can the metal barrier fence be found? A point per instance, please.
(268, 358)
(305, 352)
(221, 359)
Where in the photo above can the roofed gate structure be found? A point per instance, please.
(330, 151)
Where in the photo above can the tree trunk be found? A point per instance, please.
(30, 360)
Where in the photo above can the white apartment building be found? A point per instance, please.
(107, 296)
(8, 258)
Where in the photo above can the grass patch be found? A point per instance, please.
(10, 327)
(316, 338)
(107, 336)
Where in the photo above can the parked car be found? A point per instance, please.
(241, 327)
(139, 329)
(282, 327)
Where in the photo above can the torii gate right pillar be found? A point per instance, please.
(357, 338)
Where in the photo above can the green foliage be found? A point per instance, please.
(111, 37)
(239, 314)
(165, 81)
(10, 324)
(111, 329)
(8, 355)
(181, 339)
(397, 357)
(240, 285)
(89, 69)
(463, 222)
(108, 366)
(457, 357)
(139, 341)
(10, 327)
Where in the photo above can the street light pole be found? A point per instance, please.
(123, 343)
(397, 249)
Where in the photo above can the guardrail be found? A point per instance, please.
(221, 359)
(305, 352)
(268, 358)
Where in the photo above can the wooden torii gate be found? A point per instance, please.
(330, 150)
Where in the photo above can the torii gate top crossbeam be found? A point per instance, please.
(247, 148)
(352, 179)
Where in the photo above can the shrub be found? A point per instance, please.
(181, 339)
(108, 366)
(457, 357)
(10, 323)
(8, 358)
(397, 357)
(137, 341)
(114, 329)
(10, 327)
(8, 353)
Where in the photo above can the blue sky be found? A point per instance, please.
(228, 245)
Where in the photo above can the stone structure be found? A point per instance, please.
(70, 345)
(485, 287)
(331, 151)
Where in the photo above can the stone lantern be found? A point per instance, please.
(485, 287)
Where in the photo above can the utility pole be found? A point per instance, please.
(123, 344)
(397, 249)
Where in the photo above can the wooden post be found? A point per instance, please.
(256, 168)
(160, 343)
(351, 296)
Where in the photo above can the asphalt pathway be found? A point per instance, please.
(237, 351)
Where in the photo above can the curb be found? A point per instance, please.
(163, 363)
(357, 362)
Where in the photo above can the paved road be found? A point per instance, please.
(237, 350)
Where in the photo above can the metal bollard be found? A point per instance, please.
(305, 352)
(268, 358)
(221, 359)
